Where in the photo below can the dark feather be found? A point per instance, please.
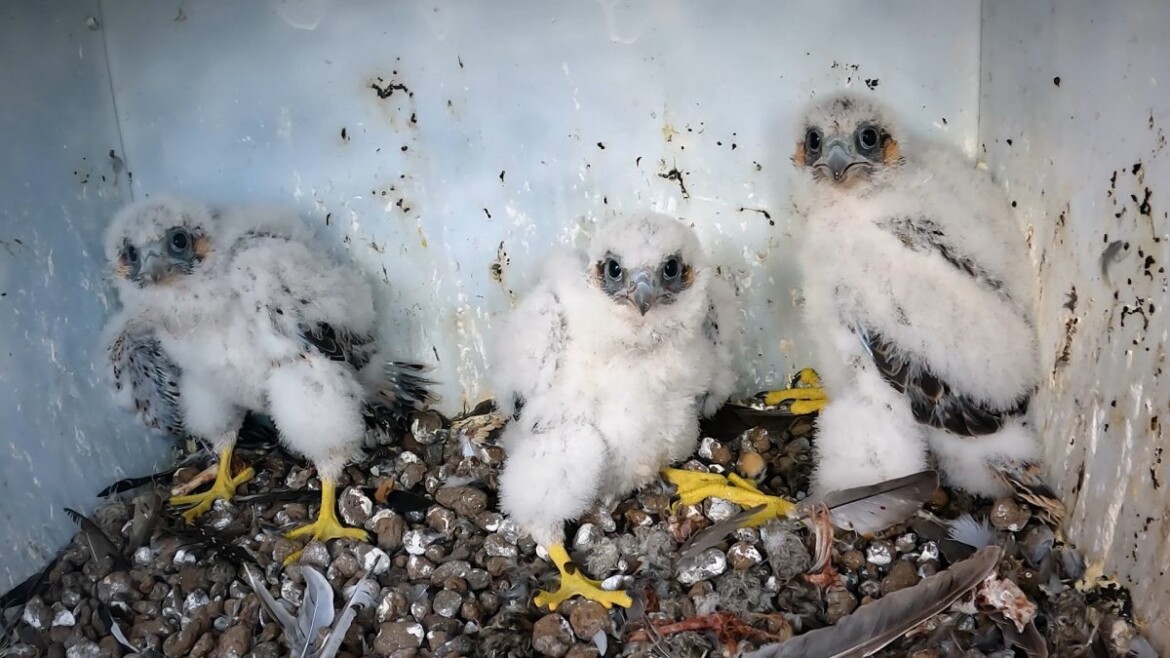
(877, 506)
(932, 400)
(731, 420)
(99, 542)
(923, 235)
(197, 537)
(339, 344)
(874, 625)
(140, 365)
(870, 508)
(1030, 640)
(126, 484)
(28, 588)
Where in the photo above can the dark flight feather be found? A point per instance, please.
(141, 366)
(877, 624)
(932, 400)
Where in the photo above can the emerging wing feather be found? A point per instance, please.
(932, 400)
(146, 377)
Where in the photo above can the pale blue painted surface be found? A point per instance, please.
(237, 101)
(61, 440)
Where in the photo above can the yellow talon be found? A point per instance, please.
(694, 488)
(224, 488)
(803, 397)
(574, 583)
(326, 526)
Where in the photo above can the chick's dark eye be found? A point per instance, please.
(180, 241)
(868, 137)
(812, 141)
(130, 254)
(671, 269)
(612, 269)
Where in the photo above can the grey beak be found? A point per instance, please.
(838, 160)
(645, 293)
(154, 266)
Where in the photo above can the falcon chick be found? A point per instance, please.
(918, 295)
(225, 313)
(605, 368)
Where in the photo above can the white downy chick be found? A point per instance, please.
(605, 368)
(236, 311)
(918, 295)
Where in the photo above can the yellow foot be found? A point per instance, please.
(326, 526)
(223, 488)
(574, 583)
(804, 396)
(694, 487)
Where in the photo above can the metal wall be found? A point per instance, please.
(444, 145)
(1074, 114)
(60, 177)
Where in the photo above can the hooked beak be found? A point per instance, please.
(837, 159)
(154, 266)
(644, 292)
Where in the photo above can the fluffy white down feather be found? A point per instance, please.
(233, 326)
(856, 272)
(609, 396)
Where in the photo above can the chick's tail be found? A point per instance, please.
(395, 391)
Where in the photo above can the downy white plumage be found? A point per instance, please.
(918, 295)
(236, 311)
(605, 367)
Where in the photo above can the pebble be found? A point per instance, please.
(582, 651)
(714, 451)
(588, 618)
(426, 427)
(708, 564)
(355, 507)
(902, 575)
(852, 560)
(1007, 514)
(391, 530)
(750, 465)
(84, 649)
(838, 603)
(928, 553)
(466, 501)
(496, 545)
(417, 541)
(64, 617)
(743, 555)
(398, 635)
(316, 555)
(374, 560)
(412, 474)
(906, 543)
(418, 567)
(37, 614)
(552, 636)
(879, 553)
(587, 535)
(717, 509)
(447, 603)
(235, 642)
(441, 520)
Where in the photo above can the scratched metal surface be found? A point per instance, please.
(443, 145)
(60, 439)
(1074, 118)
